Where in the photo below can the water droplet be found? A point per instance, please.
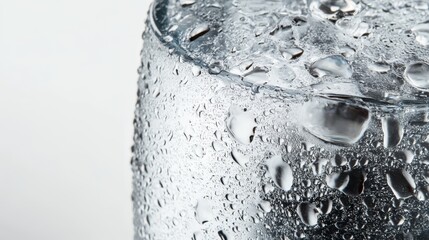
(392, 130)
(265, 206)
(423, 193)
(281, 172)
(350, 183)
(203, 211)
(198, 31)
(292, 53)
(196, 71)
(308, 213)
(185, 3)
(401, 183)
(336, 66)
(326, 206)
(218, 146)
(380, 67)
(426, 175)
(396, 220)
(241, 125)
(354, 27)
(223, 235)
(347, 51)
(422, 33)
(333, 9)
(197, 236)
(335, 122)
(417, 75)
(239, 158)
(338, 161)
(318, 166)
(406, 156)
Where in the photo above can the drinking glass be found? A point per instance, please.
(283, 119)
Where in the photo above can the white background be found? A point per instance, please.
(68, 78)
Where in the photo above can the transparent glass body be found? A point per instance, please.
(283, 120)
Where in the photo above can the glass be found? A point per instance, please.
(283, 119)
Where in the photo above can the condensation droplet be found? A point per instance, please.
(335, 122)
(203, 211)
(422, 33)
(401, 183)
(241, 124)
(196, 71)
(239, 158)
(198, 31)
(308, 213)
(392, 130)
(417, 75)
(336, 66)
(281, 173)
(380, 67)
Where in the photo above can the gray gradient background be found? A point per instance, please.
(67, 93)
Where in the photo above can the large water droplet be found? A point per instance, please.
(308, 213)
(203, 211)
(281, 173)
(401, 183)
(422, 33)
(241, 124)
(392, 130)
(335, 65)
(335, 122)
(417, 74)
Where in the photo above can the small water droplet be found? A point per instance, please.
(281, 173)
(392, 130)
(265, 206)
(351, 182)
(197, 236)
(338, 161)
(417, 75)
(380, 67)
(422, 33)
(396, 220)
(239, 158)
(319, 166)
(203, 211)
(401, 183)
(198, 31)
(406, 156)
(335, 65)
(308, 213)
(241, 125)
(292, 53)
(223, 235)
(333, 9)
(185, 3)
(326, 206)
(196, 71)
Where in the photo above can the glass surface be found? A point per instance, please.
(283, 119)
